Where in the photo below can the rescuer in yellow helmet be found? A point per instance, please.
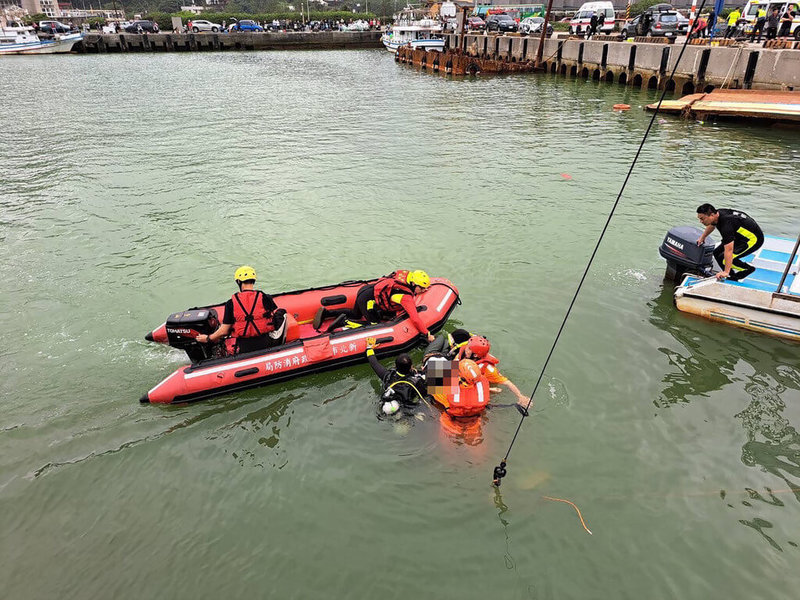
(384, 299)
(252, 315)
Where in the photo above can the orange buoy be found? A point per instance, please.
(621, 107)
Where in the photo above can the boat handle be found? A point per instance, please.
(246, 372)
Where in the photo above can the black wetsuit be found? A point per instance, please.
(408, 390)
(747, 237)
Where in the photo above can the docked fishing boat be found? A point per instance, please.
(217, 369)
(416, 29)
(16, 38)
(767, 301)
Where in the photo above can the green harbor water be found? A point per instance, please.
(134, 185)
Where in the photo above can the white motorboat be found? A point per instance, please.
(16, 38)
(416, 30)
(767, 301)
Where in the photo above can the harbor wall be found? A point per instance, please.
(644, 62)
(189, 42)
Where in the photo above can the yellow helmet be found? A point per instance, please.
(245, 273)
(419, 278)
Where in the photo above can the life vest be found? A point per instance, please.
(387, 286)
(468, 401)
(250, 319)
(406, 389)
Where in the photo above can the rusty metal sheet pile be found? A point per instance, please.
(456, 62)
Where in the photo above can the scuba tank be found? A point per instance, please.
(401, 390)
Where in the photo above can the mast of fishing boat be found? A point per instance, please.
(788, 265)
(542, 37)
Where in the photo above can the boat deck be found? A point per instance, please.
(770, 262)
(752, 303)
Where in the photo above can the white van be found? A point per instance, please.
(580, 22)
(750, 14)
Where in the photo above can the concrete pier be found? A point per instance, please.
(190, 42)
(645, 62)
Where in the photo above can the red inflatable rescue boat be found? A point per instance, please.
(214, 370)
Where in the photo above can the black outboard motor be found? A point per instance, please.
(683, 255)
(184, 327)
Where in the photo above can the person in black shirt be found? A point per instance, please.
(592, 29)
(741, 236)
(786, 21)
(772, 24)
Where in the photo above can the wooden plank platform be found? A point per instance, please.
(773, 106)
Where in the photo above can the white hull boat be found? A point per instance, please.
(416, 29)
(766, 301)
(424, 44)
(20, 39)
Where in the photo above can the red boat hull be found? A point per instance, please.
(306, 350)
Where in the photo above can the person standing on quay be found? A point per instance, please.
(712, 23)
(761, 19)
(786, 21)
(733, 20)
(772, 24)
(700, 27)
(592, 26)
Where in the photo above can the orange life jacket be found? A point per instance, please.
(468, 401)
(387, 286)
(252, 321)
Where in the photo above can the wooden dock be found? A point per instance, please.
(765, 105)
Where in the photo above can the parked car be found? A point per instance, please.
(201, 25)
(660, 24)
(53, 27)
(580, 22)
(146, 27)
(500, 23)
(359, 25)
(476, 24)
(245, 25)
(534, 25)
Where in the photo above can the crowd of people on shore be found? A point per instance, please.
(775, 25)
(301, 25)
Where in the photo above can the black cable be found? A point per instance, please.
(500, 470)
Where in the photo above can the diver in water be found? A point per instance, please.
(401, 386)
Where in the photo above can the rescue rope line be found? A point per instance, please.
(500, 470)
(572, 504)
(733, 62)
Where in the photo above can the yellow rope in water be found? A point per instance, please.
(578, 510)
